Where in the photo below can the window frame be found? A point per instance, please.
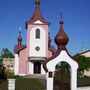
(37, 33)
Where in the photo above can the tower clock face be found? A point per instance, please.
(37, 48)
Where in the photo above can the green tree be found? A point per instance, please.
(2, 72)
(6, 53)
(0, 60)
(84, 64)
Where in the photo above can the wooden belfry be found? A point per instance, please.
(60, 56)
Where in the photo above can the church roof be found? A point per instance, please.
(37, 14)
(85, 53)
(19, 45)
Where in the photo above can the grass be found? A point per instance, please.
(23, 84)
(29, 84)
(85, 81)
(3, 85)
(36, 84)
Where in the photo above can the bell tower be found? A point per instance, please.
(37, 40)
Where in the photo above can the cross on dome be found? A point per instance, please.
(49, 40)
(19, 36)
(37, 3)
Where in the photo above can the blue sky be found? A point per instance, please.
(14, 13)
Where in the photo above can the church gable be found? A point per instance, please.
(38, 22)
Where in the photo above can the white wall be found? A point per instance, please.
(49, 83)
(11, 84)
(42, 70)
(16, 64)
(63, 57)
(87, 73)
(42, 42)
(31, 68)
(87, 54)
(84, 88)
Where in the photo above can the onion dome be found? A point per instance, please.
(19, 45)
(19, 41)
(61, 38)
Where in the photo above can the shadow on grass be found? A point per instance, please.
(3, 85)
(29, 84)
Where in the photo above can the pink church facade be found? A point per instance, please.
(23, 62)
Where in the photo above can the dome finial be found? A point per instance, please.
(37, 3)
(61, 17)
(19, 37)
(49, 40)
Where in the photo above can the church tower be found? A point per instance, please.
(37, 40)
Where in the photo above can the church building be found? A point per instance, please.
(29, 58)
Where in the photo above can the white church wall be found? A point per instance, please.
(42, 70)
(31, 68)
(49, 83)
(84, 88)
(16, 64)
(42, 42)
(63, 57)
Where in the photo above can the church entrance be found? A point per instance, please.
(37, 67)
(62, 77)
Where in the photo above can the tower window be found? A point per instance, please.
(38, 34)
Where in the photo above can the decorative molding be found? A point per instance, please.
(37, 58)
(38, 22)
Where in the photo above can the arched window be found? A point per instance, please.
(37, 33)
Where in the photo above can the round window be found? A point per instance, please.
(37, 48)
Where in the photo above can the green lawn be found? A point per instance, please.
(36, 84)
(3, 85)
(29, 84)
(24, 84)
(84, 82)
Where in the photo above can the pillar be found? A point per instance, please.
(50, 81)
(31, 68)
(11, 84)
(73, 79)
(16, 64)
(42, 69)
